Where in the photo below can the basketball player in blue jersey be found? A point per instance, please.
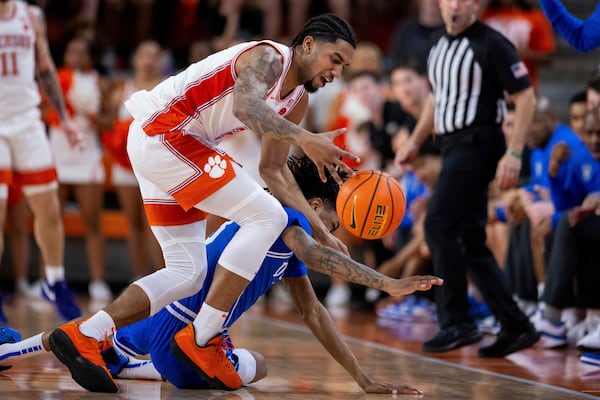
(287, 259)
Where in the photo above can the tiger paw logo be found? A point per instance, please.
(215, 167)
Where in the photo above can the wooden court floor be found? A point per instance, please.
(300, 369)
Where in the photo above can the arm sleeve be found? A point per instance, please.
(582, 35)
(509, 69)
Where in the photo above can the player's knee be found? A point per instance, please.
(277, 218)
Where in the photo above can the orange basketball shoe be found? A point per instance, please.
(81, 354)
(210, 362)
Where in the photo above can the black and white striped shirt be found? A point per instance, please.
(469, 74)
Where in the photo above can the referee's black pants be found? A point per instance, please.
(455, 229)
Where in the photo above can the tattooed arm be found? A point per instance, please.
(321, 324)
(335, 264)
(46, 75)
(257, 71)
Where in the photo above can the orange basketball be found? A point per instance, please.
(371, 204)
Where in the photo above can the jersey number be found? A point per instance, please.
(8, 64)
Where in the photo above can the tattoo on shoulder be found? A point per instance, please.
(261, 73)
(253, 83)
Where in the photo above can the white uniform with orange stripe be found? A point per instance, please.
(82, 96)
(24, 150)
(172, 146)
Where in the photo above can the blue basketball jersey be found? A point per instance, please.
(152, 335)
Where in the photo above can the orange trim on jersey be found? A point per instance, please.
(171, 214)
(40, 177)
(195, 154)
(115, 142)
(198, 95)
(6, 176)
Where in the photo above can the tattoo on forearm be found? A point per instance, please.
(334, 263)
(49, 84)
(253, 83)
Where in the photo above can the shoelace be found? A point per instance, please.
(228, 347)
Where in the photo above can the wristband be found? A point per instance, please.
(513, 153)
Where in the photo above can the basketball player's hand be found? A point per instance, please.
(559, 154)
(386, 388)
(507, 173)
(74, 136)
(326, 155)
(400, 287)
(405, 154)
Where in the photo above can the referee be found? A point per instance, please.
(470, 68)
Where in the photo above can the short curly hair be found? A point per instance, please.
(306, 175)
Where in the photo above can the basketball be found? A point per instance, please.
(371, 204)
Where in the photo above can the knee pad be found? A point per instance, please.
(261, 222)
(184, 251)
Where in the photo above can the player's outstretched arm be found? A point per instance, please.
(319, 321)
(582, 35)
(336, 264)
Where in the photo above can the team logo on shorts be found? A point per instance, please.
(215, 167)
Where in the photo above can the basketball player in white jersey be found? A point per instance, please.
(173, 148)
(25, 155)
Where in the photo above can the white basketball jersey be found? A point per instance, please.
(199, 100)
(18, 89)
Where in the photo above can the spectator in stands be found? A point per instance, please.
(577, 111)
(411, 38)
(144, 250)
(528, 30)
(576, 241)
(81, 171)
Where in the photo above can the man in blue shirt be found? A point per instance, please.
(576, 188)
(287, 259)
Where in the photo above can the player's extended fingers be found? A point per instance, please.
(321, 169)
(382, 388)
(334, 174)
(345, 168)
(348, 155)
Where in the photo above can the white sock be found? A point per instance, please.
(12, 352)
(140, 369)
(54, 273)
(208, 323)
(98, 326)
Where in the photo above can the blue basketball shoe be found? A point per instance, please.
(114, 360)
(8, 335)
(61, 296)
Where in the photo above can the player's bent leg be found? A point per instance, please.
(81, 355)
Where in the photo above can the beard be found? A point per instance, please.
(307, 85)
